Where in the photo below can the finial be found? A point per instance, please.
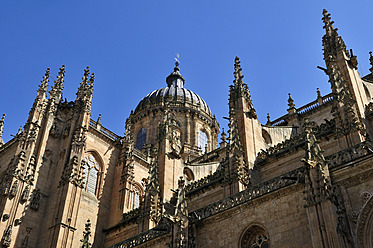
(175, 78)
(181, 182)
(318, 92)
(237, 70)
(99, 120)
(44, 83)
(371, 61)
(61, 73)
(223, 137)
(328, 23)
(19, 131)
(2, 129)
(291, 102)
(268, 119)
(56, 91)
(177, 63)
(86, 74)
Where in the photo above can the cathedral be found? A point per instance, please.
(303, 180)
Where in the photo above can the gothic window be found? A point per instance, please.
(255, 237)
(202, 141)
(135, 198)
(141, 138)
(91, 169)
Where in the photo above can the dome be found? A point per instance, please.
(174, 93)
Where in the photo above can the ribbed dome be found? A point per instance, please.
(174, 93)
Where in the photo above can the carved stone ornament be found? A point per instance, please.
(364, 196)
(25, 194)
(14, 189)
(86, 235)
(35, 200)
(6, 239)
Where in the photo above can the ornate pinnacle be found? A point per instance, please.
(318, 92)
(291, 102)
(332, 42)
(268, 119)
(86, 74)
(237, 71)
(2, 129)
(58, 84)
(223, 137)
(86, 85)
(61, 75)
(44, 83)
(328, 23)
(371, 61)
(99, 120)
(91, 80)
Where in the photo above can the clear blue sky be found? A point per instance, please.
(131, 45)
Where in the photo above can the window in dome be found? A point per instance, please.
(141, 138)
(203, 141)
(91, 169)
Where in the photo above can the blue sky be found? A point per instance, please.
(131, 45)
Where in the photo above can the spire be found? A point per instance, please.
(328, 23)
(86, 86)
(44, 83)
(56, 91)
(175, 79)
(237, 72)
(371, 61)
(332, 42)
(291, 109)
(240, 89)
(1, 130)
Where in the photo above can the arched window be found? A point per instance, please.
(141, 138)
(203, 141)
(255, 237)
(135, 198)
(91, 169)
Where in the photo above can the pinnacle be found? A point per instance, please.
(44, 83)
(328, 23)
(371, 61)
(291, 102)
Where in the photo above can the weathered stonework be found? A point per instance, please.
(302, 180)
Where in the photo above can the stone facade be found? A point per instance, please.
(302, 180)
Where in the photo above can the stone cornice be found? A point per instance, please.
(248, 195)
